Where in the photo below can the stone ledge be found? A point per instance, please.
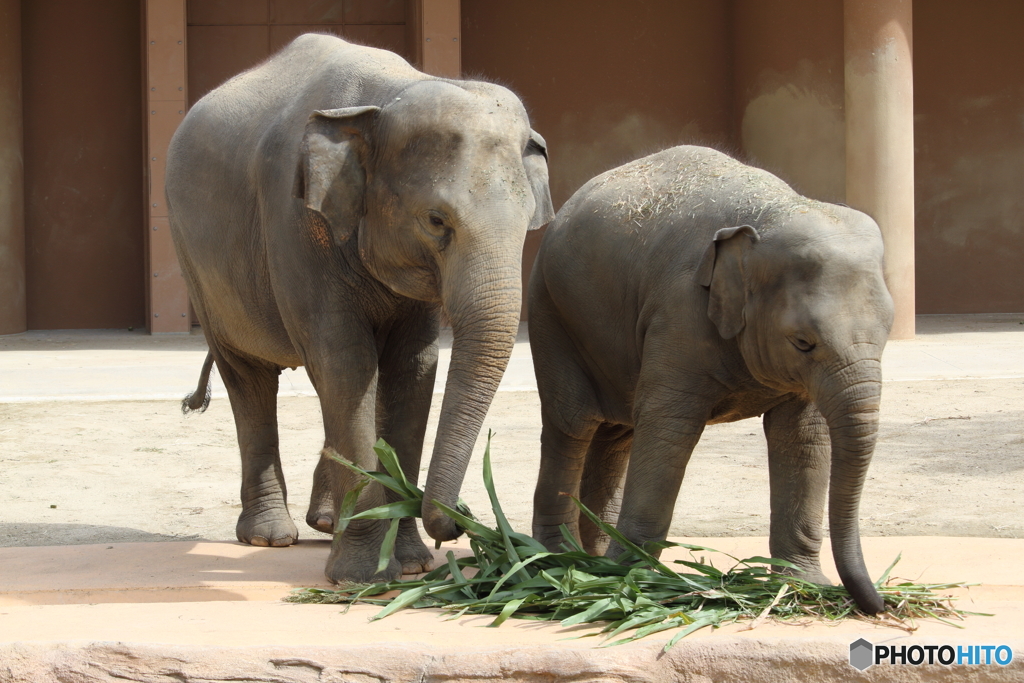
(702, 661)
(211, 612)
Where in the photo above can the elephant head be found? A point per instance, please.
(438, 186)
(806, 299)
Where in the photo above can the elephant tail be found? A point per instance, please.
(199, 400)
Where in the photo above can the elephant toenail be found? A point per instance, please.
(259, 540)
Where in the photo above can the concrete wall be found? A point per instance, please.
(606, 82)
(789, 91)
(969, 128)
(83, 176)
(12, 186)
(226, 37)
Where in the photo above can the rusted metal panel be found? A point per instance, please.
(388, 37)
(228, 12)
(167, 299)
(282, 35)
(442, 29)
(414, 32)
(83, 142)
(12, 188)
(164, 119)
(165, 48)
(216, 53)
(375, 11)
(307, 11)
(168, 294)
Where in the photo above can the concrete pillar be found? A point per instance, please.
(440, 35)
(13, 317)
(165, 75)
(878, 44)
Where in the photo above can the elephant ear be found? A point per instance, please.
(331, 179)
(721, 270)
(535, 160)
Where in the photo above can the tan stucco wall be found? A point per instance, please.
(789, 91)
(969, 129)
(83, 164)
(605, 81)
(12, 189)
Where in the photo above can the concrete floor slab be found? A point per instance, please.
(212, 611)
(73, 365)
(200, 611)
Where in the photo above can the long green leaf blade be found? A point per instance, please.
(403, 600)
(389, 459)
(396, 510)
(510, 607)
(387, 548)
(348, 506)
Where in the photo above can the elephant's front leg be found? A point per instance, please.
(798, 470)
(408, 365)
(344, 372)
(668, 423)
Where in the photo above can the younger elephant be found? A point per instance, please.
(687, 289)
(326, 206)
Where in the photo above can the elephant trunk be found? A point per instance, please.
(484, 319)
(849, 400)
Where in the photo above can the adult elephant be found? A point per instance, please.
(687, 289)
(326, 207)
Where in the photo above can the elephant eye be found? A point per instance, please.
(801, 344)
(438, 227)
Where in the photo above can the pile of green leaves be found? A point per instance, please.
(512, 575)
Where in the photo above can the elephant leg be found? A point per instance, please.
(408, 365)
(570, 416)
(343, 368)
(799, 462)
(252, 390)
(601, 486)
(320, 514)
(669, 419)
(562, 458)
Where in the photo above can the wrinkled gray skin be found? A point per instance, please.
(687, 289)
(326, 206)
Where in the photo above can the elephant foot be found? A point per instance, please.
(354, 555)
(321, 515)
(551, 536)
(321, 520)
(267, 528)
(807, 568)
(410, 550)
(812, 575)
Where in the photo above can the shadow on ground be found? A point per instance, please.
(26, 534)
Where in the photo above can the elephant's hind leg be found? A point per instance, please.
(561, 471)
(601, 487)
(252, 389)
(799, 462)
(570, 416)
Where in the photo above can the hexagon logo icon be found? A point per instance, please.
(861, 654)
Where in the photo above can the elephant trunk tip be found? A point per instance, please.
(865, 595)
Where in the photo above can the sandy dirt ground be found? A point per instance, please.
(949, 462)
